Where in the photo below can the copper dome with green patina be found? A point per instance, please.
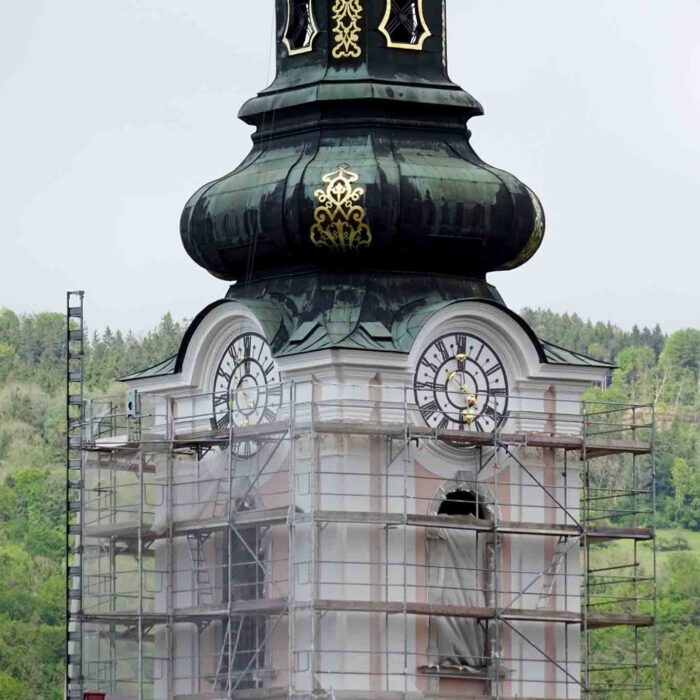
(362, 159)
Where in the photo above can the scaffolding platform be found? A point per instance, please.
(230, 552)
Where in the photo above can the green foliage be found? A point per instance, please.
(32, 484)
(650, 368)
(679, 668)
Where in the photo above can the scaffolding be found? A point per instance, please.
(292, 558)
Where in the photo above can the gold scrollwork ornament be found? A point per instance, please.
(340, 220)
(347, 15)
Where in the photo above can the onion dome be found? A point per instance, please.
(362, 159)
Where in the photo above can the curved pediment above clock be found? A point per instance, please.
(523, 355)
(206, 341)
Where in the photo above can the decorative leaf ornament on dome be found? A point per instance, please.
(340, 220)
(404, 24)
(347, 15)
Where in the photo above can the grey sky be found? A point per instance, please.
(114, 111)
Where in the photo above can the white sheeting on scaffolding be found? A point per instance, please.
(201, 491)
(456, 561)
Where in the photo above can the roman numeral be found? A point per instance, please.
(269, 369)
(268, 416)
(425, 361)
(442, 425)
(493, 370)
(442, 349)
(224, 421)
(247, 344)
(220, 400)
(492, 413)
(425, 386)
(224, 375)
(274, 390)
(461, 343)
(429, 410)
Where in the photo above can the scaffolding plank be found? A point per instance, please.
(279, 606)
(154, 442)
(399, 695)
(474, 524)
(280, 516)
(257, 694)
(268, 606)
(131, 531)
(597, 622)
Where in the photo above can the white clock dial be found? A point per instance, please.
(460, 383)
(247, 387)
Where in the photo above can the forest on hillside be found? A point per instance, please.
(652, 367)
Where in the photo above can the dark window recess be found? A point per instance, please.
(404, 25)
(463, 503)
(244, 578)
(300, 29)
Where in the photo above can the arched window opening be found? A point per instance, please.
(461, 502)
(301, 27)
(459, 576)
(404, 25)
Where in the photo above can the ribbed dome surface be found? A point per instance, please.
(353, 170)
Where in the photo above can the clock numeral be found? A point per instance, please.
(492, 413)
(425, 361)
(444, 422)
(245, 449)
(461, 343)
(224, 421)
(247, 351)
(274, 390)
(425, 386)
(491, 371)
(226, 376)
(269, 369)
(429, 410)
(442, 349)
(221, 400)
(268, 416)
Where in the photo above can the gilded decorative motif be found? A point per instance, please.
(347, 15)
(340, 220)
(404, 25)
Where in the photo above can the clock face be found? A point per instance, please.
(460, 384)
(247, 387)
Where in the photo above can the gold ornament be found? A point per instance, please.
(340, 222)
(347, 15)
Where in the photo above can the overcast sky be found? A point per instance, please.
(114, 112)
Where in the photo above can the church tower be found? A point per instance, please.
(363, 476)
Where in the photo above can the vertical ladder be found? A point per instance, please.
(202, 583)
(75, 422)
